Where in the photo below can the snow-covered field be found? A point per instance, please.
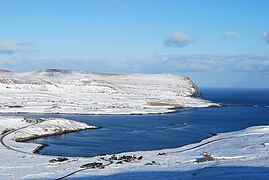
(243, 154)
(65, 91)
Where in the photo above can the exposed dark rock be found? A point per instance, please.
(119, 162)
(151, 163)
(59, 159)
(15, 106)
(7, 130)
(39, 148)
(93, 165)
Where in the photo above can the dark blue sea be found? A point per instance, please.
(121, 133)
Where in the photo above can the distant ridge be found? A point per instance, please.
(56, 70)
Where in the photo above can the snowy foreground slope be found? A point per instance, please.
(242, 155)
(65, 91)
(18, 129)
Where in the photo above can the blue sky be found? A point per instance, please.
(217, 43)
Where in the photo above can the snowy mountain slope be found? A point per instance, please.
(66, 91)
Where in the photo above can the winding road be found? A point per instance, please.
(34, 122)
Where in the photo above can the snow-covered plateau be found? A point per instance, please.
(237, 155)
(76, 92)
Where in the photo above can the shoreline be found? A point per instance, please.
(41, 146)
(48, 135)
(33, 128)
(171, 110)
(181, 159)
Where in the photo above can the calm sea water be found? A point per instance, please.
(120, 133)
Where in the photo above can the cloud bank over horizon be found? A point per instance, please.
(246, 70)
(11, 47)
(12, 52)
(246, 63)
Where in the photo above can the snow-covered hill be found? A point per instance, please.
(66, 91)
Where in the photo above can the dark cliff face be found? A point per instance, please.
(197, 93)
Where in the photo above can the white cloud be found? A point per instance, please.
(12, 47)
(13, 53)
(230, 35)
(216, 63)
(172, 64)
(178, 64)
(265, 37)
(177, 39)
